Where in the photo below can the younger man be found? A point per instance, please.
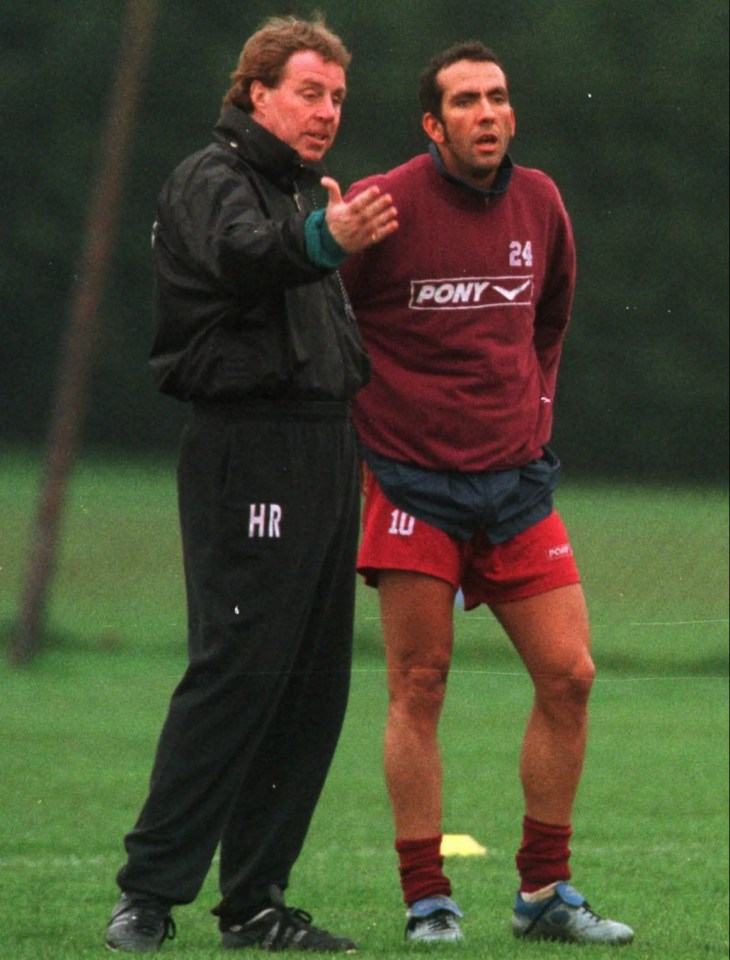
(463, 313)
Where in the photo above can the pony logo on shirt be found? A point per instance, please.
(471, 293)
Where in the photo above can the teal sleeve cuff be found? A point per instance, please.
(322, 248)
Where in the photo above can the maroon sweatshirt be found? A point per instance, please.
(463, 312)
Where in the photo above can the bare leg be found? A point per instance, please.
(417, 618)
(551, 634)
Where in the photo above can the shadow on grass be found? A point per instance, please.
(15, 649)
(490, 650)
(713, 665)
(109, 644)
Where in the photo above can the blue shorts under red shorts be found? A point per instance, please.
(535, 561)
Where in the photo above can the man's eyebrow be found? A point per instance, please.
(472, 93)
(315, 84)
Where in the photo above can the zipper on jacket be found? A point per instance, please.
(346, 302)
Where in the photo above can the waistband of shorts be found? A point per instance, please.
(272, 409)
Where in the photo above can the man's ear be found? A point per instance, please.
(433, 128)
(259, 96)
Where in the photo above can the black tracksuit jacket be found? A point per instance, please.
(241, 311)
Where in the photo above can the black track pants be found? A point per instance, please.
(269, 516)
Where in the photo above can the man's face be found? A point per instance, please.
(304, 110)
(477, 121)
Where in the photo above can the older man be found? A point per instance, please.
(255, 331)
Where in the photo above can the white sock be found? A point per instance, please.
(544, 893)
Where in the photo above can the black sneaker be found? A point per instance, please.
(279, 927)
(139, 924)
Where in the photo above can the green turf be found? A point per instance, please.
(78, 729)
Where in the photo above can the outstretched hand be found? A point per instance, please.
(361, 222)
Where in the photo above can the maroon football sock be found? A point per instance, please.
(421, 869)
(544, 855)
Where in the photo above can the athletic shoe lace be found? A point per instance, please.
(584, 908)
(295, 926)
(441, 921)
(147, 917)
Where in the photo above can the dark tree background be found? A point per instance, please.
(624, 103)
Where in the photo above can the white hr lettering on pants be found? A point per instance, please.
(265, 520)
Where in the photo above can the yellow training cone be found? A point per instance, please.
(461, 845)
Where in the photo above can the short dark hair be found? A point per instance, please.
(267, 52)
(430, 92)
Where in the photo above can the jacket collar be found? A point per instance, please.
(269, 155)
(501, 181)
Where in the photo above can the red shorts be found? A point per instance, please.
(535, 561)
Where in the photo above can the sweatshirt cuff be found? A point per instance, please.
(322, 248)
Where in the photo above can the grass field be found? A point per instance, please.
(78, 728)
